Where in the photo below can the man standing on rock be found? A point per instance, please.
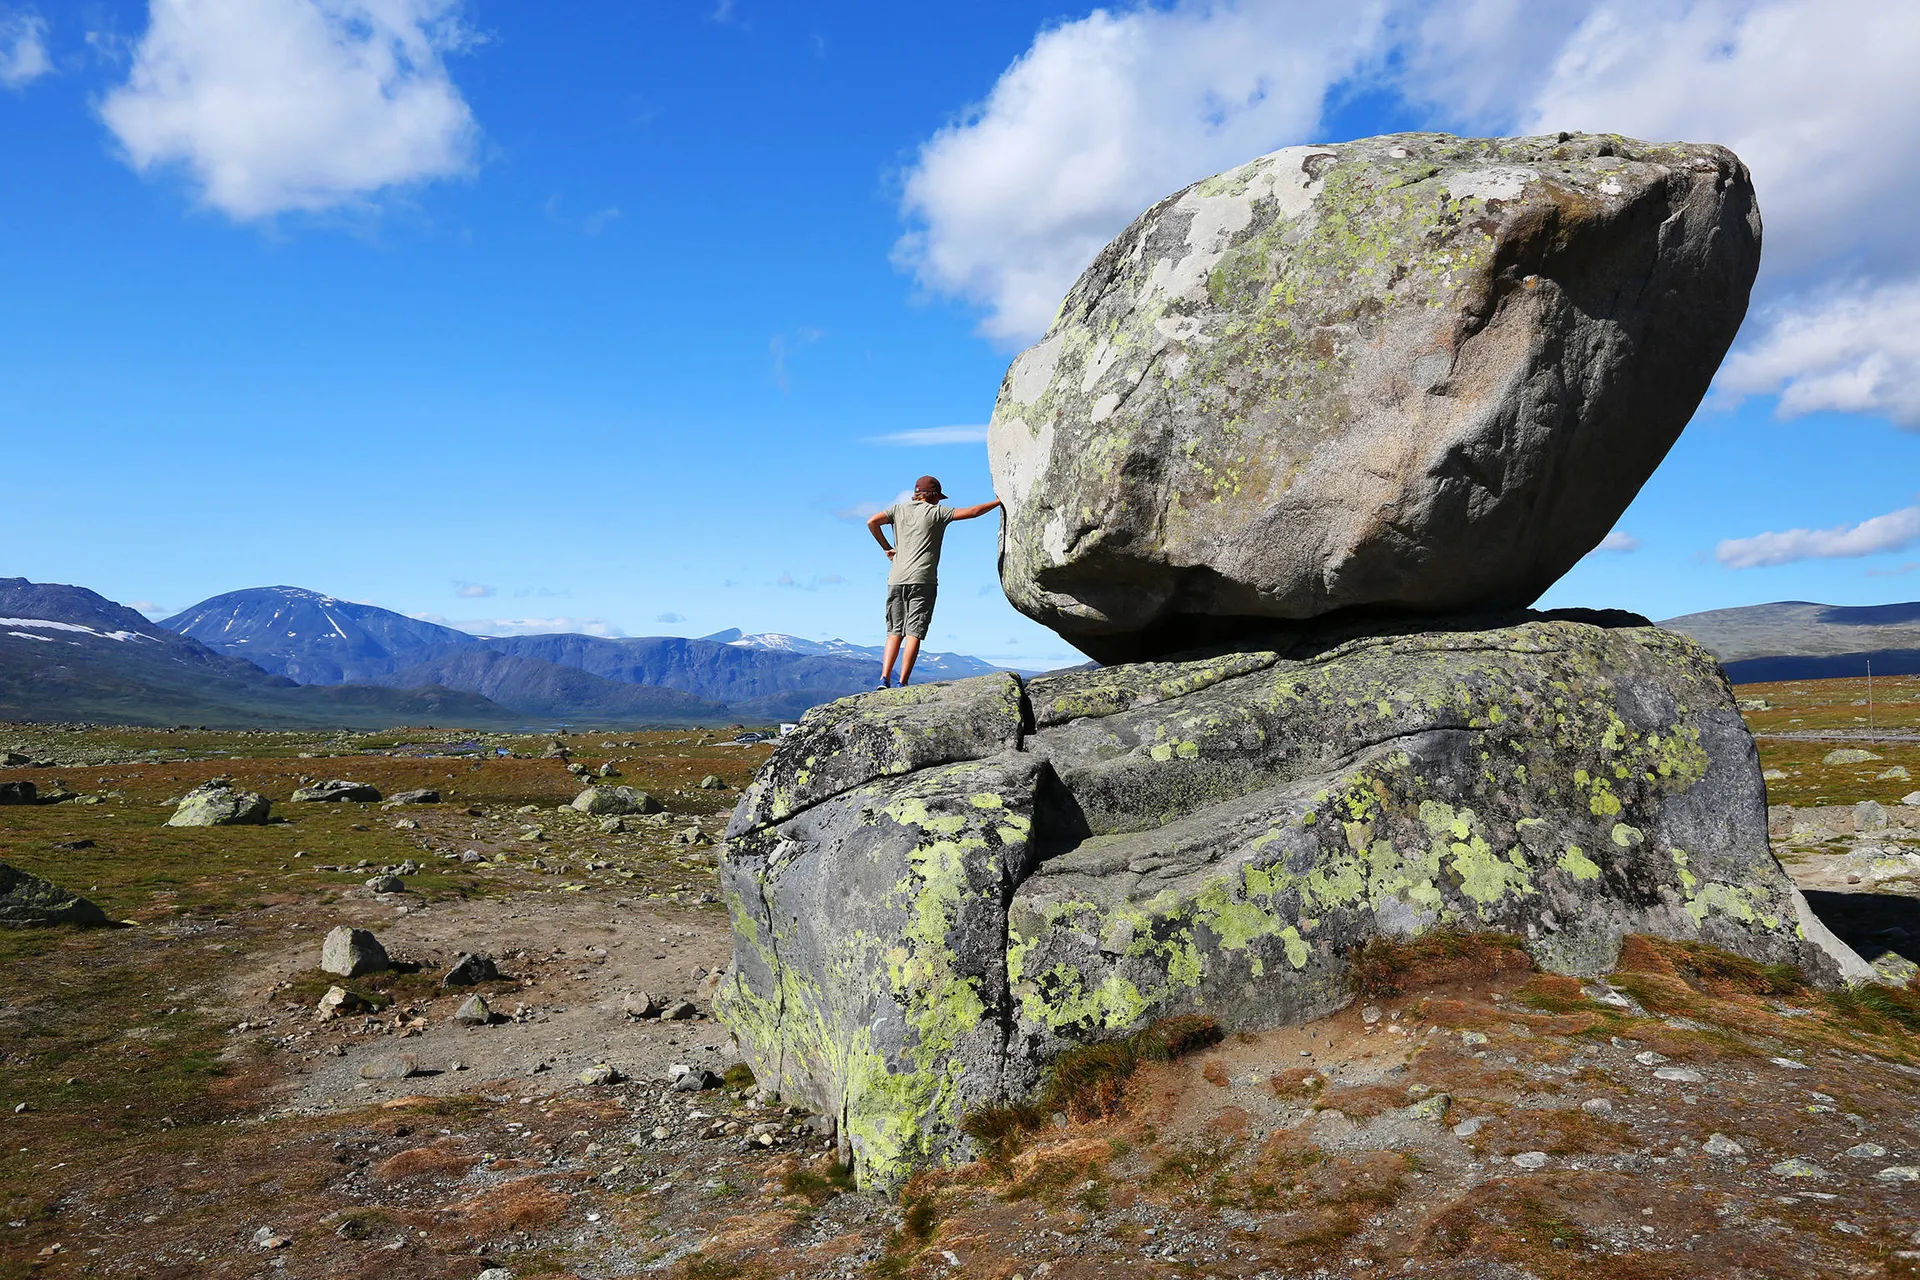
(919, 526)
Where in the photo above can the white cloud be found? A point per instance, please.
(23, 50)
(472, 590)
(1619, 541)
(278, 105)
(933, 435)
(537, 627)
(1100, 118)
(1895, 531)
(1852, 350)
(670, 618)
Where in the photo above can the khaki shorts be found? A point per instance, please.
(910, 609)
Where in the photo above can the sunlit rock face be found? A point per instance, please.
(1414, 374)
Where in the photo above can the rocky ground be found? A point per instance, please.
(174, 1106)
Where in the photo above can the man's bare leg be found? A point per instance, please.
(908, 652)
(887, 656)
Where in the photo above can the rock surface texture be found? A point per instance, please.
(1413, 374)
(935, 890)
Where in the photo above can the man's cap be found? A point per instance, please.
(928, 487)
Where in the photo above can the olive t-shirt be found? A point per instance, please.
(918, 530)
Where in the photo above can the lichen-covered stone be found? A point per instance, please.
(1413, 373)
(1220, 835)
(27, 901)
(601, 801)
(869, 970)
(219, 806)
(848, 743)
(337, 791)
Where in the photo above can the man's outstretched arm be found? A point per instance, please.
(969, 513)
(874, 522)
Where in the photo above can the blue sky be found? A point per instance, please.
(598, 316)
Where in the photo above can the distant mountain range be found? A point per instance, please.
(1800, 640)
(67, 653)
(287, 655)
(318, 639)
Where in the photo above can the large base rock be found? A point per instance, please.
(935, 890)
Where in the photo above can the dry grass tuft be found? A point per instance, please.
(1297, 1082)
(437, 1159)
(1087, 1084)
(1708, 969)
(524, 1204)
(1390, 967)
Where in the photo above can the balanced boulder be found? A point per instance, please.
(1412, 374)
(27, 901)
(337, 790)
(219, 805)
(935, 891)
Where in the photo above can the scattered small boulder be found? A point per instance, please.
(1865, 1151)
(606, 771)
(1848, 755)
(218, 805)
(397, 1067)
(600, 1073)
(1720, 1144)
(1531, 1160)
(1598, 1106)
(602, 801)
(1896, 774)
(350, 953)
(469, 969)
(713, 782)
(639, 1005)
(1797, 1168)
(1895, 970)
(473, 1012)
(425, 795)
(337, 790)
(532, 835)
(1868, 815)
(692, 835)
(1911, 798)
(692, 1079)
(336, 1002)
(19, 793)
(679, 1011)
(28, 902)
(387, 884)
(613, 826)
